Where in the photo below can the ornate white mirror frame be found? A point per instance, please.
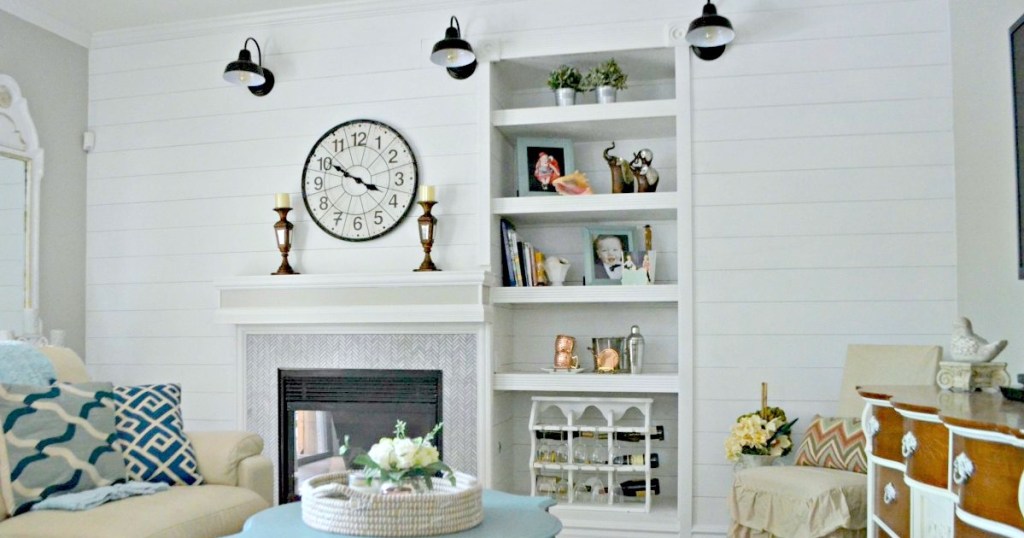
(19, 140)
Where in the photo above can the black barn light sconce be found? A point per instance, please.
(709, 34)
(454, 53)
(243, 72)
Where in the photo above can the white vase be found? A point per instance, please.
(556, 268)
(748, 461)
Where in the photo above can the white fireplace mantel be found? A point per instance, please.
(429, 297)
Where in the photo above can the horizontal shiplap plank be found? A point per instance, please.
(794, 350)
(170, 296)
(831, 185)
(811, 251)
(862, 284)
(155, 323)
(195, 378)
(824, 152)
(868, 217)
(162, 350)
(784, 383)
(825, 86)
(828, 317)
(714, 480)
(832, 119)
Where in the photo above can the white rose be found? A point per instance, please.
(426, 455)
(405, 453)
(383, 454)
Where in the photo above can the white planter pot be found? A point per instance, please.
(606, 94)
(565, 96)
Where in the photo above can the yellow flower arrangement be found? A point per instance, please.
(763, 432)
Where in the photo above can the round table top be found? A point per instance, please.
(505, 514)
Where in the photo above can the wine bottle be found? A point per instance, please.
(633, 437)
(554, 435)
(635, 459)
(638, 488)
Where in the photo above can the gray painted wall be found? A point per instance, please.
(53, 75)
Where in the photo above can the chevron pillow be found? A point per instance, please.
(834, 443)
(56, 439)
(151, 437)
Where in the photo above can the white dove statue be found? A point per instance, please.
(969, 347)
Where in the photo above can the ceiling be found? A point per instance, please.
(79, 20)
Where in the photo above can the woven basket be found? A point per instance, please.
(328, 504)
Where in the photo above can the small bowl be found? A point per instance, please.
(1011, 393)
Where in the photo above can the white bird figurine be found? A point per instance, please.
(969, 347)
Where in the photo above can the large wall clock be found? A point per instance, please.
(359, 180)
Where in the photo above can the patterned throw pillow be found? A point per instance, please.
(150, 434)
(834, 443)
(57, 439)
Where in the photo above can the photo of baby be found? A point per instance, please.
(606, 255)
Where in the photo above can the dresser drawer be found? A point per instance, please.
(927, 461)
(963, 530)
(986, 475)
(892, 500)
(885, 443)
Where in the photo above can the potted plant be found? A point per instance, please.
(606, 79)
(565, 81)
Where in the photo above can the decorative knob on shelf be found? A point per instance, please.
(873, 426)
(909, 445)
(963, 468)
(889, 494)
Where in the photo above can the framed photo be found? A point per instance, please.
(604, 254)
(540, 161)
(1017, 67)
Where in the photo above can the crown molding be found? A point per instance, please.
(26, 11)
(347, 10)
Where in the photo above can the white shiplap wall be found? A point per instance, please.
(824, 208)
(823, 188)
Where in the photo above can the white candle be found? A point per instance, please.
(427, 193)
(282, 200)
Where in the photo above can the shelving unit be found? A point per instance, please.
(654, 112)
(578, 458)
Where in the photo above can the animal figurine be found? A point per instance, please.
(622, 173)
(969, 347)
(645, 174)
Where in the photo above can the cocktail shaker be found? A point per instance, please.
(635, 350)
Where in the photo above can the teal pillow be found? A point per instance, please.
(151, 436)
(57, 439)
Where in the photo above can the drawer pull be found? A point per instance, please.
(963, 468)
(889, 494)
(909, 445)
(873, 426)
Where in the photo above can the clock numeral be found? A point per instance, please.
(325, 163)
(399, 178)
(378, 217)
(359, 139)
(339, 145)
(394, 201)
(357, 223)
(378, 142)
(323, 203)
(337, 217)
(393, 159)
(318, 183)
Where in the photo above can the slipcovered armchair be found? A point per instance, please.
(803, 501)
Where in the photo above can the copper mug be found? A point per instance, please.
(564, 358)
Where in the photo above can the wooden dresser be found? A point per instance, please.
(943, 464)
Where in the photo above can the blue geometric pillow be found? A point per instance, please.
(151, 436)
(56, 439)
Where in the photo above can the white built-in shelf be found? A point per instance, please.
(662, 519)
(527, 210)
(591, 122)
(656, 293)
(588, 382)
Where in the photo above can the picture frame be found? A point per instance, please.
(598, 271)
(539, 161)
(1016, 68)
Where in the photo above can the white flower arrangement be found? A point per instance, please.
(764, 433)
(401, 458)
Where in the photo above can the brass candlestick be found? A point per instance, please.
(283, 234)
(426, 223)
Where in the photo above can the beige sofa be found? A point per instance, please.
(238, 482)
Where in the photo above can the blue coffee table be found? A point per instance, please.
(504, 515)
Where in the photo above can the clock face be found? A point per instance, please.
(359, 180)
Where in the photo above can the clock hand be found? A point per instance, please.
(369, 186)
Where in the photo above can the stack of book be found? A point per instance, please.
(522, 264)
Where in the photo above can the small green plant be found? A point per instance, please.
(565, 76)
(606, 74)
